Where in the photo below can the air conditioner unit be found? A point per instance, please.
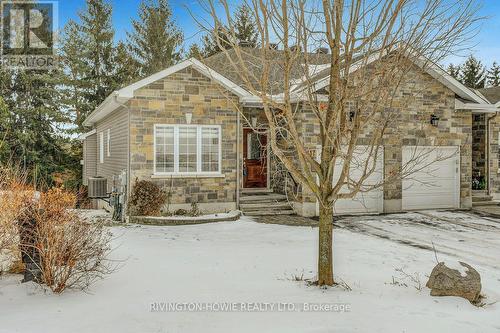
(98, 187)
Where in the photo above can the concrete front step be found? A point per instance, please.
(270, 212)
(479, 192)
(476, 198)
(262, 197)
(264, 205)
(485, 203)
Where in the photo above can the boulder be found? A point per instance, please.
(445, 281)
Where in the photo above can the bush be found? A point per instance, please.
(146, 199)
(14, 193)
(72, 252)
(69, 251)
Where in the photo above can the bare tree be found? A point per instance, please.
(370, 45)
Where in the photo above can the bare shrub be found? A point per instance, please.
(14, 193)
(71, 251)
(146, 199)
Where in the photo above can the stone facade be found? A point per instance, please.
(494, 158)
(165, 102)
(478, 145)
(418, 97)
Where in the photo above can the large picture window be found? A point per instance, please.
(187, 149)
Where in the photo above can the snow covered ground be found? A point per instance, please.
(246, 261)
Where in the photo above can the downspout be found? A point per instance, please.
(238, 161)
(488, 150)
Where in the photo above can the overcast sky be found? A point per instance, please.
(487, 47)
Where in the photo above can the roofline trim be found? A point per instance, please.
(83, 136)
(432, 69)
(119, 97)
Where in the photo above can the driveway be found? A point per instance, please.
(467, 236)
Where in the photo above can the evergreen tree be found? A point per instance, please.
(219, 36)
(246, 33)
(126, 67)
(195, 52)
(493, 76)
(33, 123)
(472, 73)
(98, 51)
(155, 40)
(454, 71)
(74, 83)
(88, 56)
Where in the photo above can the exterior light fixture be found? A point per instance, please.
(189, 116)
(352, 114)
(434, 120)
(254, 122)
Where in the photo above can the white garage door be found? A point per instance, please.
(369, 202)
(436, 180)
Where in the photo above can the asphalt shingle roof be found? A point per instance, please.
(492, 94)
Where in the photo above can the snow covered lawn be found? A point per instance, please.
(245, 261)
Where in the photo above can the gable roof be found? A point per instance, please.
(117, 98)
(323, 79)
(492, 94)
(217, 68)
(252, 59)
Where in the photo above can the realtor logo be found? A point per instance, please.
(28, 34)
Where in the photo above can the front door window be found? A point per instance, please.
(254, 159)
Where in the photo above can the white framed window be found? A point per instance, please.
(108, 143)
(187, 149)
(101, 147)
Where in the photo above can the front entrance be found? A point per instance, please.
(254, 159)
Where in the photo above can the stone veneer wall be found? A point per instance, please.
(165, 102)
(416, 99)
(479, 144)
(494, 170)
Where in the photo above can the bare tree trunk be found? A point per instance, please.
(325, 258)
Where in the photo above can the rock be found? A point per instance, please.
(445, 281)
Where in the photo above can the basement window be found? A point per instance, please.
(187, 149)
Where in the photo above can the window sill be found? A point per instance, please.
(199, 175)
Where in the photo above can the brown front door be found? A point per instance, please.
(254, 159)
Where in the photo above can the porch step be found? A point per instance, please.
(270, 212)
(264, 204)
(255, 190)
(479, 192)
(485, 203)
(257, 197)
(482, 197)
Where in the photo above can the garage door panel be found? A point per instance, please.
(436, 186)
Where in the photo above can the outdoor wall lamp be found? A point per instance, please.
(189, 116)
(434, 120)
(254, 122)
(352, 114)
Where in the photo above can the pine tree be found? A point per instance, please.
(216, 41)
(454, 71)
(493, 76)
(472, 73)
(246, 33)
(73, 83)
(155, 40)
(195, 52)
(98, 50)
(88, 55)
(126, 67)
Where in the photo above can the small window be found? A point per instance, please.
(187, 149)
(108, 143)
(101, 147)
